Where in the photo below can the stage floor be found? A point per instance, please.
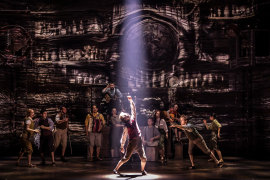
(77, 168)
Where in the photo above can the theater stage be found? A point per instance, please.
(77, 168)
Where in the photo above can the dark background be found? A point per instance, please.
(207, 56)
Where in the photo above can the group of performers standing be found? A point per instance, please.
(125, 124)
(49, 135)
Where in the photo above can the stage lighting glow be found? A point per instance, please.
(133, 54)
(132, 176)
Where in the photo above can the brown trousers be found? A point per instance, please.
(135, 145)
(60, 136)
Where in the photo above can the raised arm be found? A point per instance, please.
(105, 90)
(133, 108)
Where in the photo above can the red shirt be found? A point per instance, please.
(96, 125)
(133, 129)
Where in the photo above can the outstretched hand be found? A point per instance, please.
(129, 98)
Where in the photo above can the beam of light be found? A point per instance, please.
(132, 176)
(132, 51)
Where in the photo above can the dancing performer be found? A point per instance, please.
(215, 135)
(195, 138)
(131, 129)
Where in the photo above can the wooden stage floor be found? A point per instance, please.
(78, 168)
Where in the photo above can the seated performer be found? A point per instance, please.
(112, 91)
(173, 113)
(135, 141)
(113, 98)
(195, 138)
(174, 117)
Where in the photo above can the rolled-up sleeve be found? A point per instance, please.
(57, 118)
(51, 124)
(217, 123)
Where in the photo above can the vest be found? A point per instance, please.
(27, 134)
(96, 124)
(45, 122)
(64, 124)
(133, 130)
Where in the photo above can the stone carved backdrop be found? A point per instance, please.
(192, 58)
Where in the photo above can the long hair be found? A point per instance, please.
(154, 116)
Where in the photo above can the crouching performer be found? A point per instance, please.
(131, 129)
(195, 138)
